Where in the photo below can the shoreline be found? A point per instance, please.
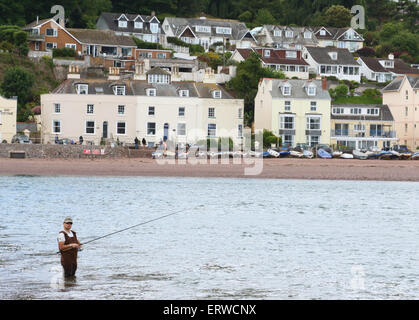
(283, 168)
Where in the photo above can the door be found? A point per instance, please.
(166, 131)
(105, 130)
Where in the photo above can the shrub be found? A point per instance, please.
(146, 45)
(341, 91)
(269, 138)
(366, 52)
(64, 52)
(371, 93)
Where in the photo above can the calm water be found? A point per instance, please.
(249, 239)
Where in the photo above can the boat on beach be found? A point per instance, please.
(346, 156)
(336, 154)
(415, 156)
(308, 154)
(296, 154)
(273, 153)
(359, 154)
(324, 154)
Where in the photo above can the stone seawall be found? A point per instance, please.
(59, 151)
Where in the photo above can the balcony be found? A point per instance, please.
(363, 134)
(36, 37)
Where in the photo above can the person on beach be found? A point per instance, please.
(136, 142)
(144, 142)
(80, 140)
(68, 244)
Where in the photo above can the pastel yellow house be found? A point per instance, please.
(362, 126)
(402, 97)
(298, 111)
(8, 113)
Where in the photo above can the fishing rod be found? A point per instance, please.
(137, 225)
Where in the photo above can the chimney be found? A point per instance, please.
(324, 83)
(153, 13)
(37, 19)
(391, 56)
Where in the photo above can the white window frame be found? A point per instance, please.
(307, 35)
(154, 27)
(286, 90)
(180, 132)
(122, 24)
(181, 114)
(94, 127)
(54, 32)
(204, 29)
(289, 34)
(151, 111)
(54, 46)
(125, 128)
(82, 88)
(54, 127)
(223, 30)
(291, 54)
(117, 90)
(138, 25)
(183, 93)
(277, 33)
(313, 106)
(213, 129)
(287, 105)
(121, 109)
(211, 112)
(149, 129)
(311, 90)
(284, 125)
(90, 109)
(57, 108)
(216, 94)
(240, 113)
(151, 92)
(266, 53)
(308, 124)
(71, 45)
(240, 131)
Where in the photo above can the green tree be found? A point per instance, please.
(264, 17)
(17, 82)
(337, 16)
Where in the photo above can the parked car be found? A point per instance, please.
(21, 138)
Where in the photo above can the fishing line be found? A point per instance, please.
(137, 225)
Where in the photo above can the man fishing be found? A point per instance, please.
(68, 246)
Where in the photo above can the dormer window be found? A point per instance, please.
(267, 53)
(216, 94)
(277, 33)
(311, 90)
(122, 24)
(119, 90)
(333, 55)
(151, 92)
(389, 64)
(322, 32)
(286, 89)
(154, 27)
(138, 25)
(307, 35)
(291, 54)
(158, 78)
(82, 88)
(183, 93)
(289, 34)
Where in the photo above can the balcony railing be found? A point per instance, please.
(363, 134)
(36, 37)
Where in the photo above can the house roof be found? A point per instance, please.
(138, 88)
(297, 38)
(321, 56)
(397, 82)
(238, 29)
(102, 37)
(384, 114)
(298, 90)
(35, 24)
(334, 33)
(111, 20)
(274, 58)
(400, 67)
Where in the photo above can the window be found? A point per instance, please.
(313, 140)
(151, 111)
(56, 126)
(286, 90)
(313, 123)
(119, 90)
(183, 93)
(373, 111)
(286, 122)
(307, 35)
(90, 127)
(313, 106)
(407, 95)
(240, 113)
(145, 54)
(122, 24)
(406, 127)
(212, 130)
(216, 94)
(90, 109)
(120, 127)
(50, 32)
(138, 25)
(205, 29)
(356, 111)
(277, 33)
(151, 128)
(406, 111)
(311, 90)
(50, 45)
(287, 106)
(287, 140)
(57, 108)
(240, 130)
(211, 112)
(151, 92)
(291, 54)
(375, 130)
(154, 27)
(158, 78)
(181, 129)
(338, 110)
(267, 53)
(322, 32)
(71, 45)
(341, 129)
(289, 34)
(82, 89)
(222, 30)
(161, 55)
(333, 55)
(181, 112)
(126, 52)
(359, 127)
(121, 109)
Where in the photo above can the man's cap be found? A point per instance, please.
(68, 219)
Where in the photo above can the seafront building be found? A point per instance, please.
(298, 111)
(151, 105)
(362, 126)
(402, 97)
(8, 114)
